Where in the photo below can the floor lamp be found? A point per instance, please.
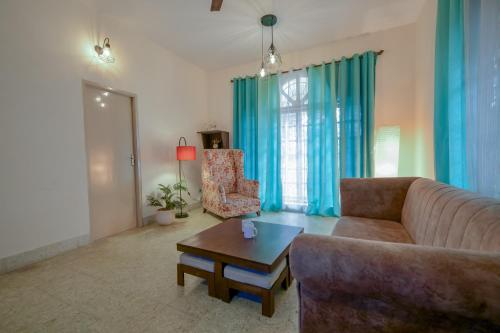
(184, 153)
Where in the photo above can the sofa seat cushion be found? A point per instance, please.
(197, 262)
(253, 277)
(371, 229)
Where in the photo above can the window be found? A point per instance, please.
(387, 151)
(293, 107)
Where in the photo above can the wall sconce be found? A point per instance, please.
(104, 51)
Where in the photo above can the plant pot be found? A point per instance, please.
(165, 217)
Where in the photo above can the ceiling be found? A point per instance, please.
(215, 40)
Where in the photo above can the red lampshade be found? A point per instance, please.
(186, 153)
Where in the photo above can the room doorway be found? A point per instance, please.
(111, 142)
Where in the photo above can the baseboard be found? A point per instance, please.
(20, 260)
(17, 261)
(193, 205)
(148, 220)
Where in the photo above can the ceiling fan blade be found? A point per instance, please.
(216, 5)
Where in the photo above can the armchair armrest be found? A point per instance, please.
(248, 187)
(213, 192)
(376, 198)
(456, 282)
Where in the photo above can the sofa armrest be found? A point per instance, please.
(376, 198)
(458, 282)
(213, 192)
(250, 188)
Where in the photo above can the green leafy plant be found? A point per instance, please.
(168, 198)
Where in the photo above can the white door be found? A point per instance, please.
(110, 162)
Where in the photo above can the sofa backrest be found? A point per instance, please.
(437, 214)
(222, 166)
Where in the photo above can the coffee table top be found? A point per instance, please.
(225, 243)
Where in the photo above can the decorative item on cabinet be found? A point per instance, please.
(215, 139)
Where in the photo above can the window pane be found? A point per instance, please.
(293, 102)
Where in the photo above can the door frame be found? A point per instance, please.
(135, 145)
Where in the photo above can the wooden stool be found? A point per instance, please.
(197, 266)
(256, 283)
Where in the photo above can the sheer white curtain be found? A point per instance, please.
(482, 40)
(293, 109)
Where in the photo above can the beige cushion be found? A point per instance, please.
(252, 277)
(371, 229)
(197, 262)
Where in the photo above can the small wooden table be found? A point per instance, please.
(224, 244)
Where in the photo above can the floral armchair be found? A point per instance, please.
(226, 192)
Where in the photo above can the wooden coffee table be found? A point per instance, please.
(224, 244)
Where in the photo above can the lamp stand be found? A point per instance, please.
(182, 214)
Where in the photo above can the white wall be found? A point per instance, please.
(424, 93)
(46, 52)
(395, 82)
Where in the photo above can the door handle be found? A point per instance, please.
(132, 160)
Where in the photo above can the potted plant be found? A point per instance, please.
(166, 201)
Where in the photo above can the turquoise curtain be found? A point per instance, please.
(450, 97)
(322, 142)
(269, 144)
(482, 55)
(339, 138)
(340, 128)
(245, 122)
(356, 96)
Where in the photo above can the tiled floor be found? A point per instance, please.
(127, 283)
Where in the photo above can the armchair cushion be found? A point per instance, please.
(213, 192)
(250, 188)
(237, 200)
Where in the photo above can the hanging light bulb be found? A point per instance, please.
(262, 71)
(273, 58)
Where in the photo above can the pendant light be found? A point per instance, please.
(272, 60)
(262, 72)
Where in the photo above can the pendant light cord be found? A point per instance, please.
(262, 44)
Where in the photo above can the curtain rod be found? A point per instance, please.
(326, 63)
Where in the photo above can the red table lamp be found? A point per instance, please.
(184, 153)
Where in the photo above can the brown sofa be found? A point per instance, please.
(407, 255)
